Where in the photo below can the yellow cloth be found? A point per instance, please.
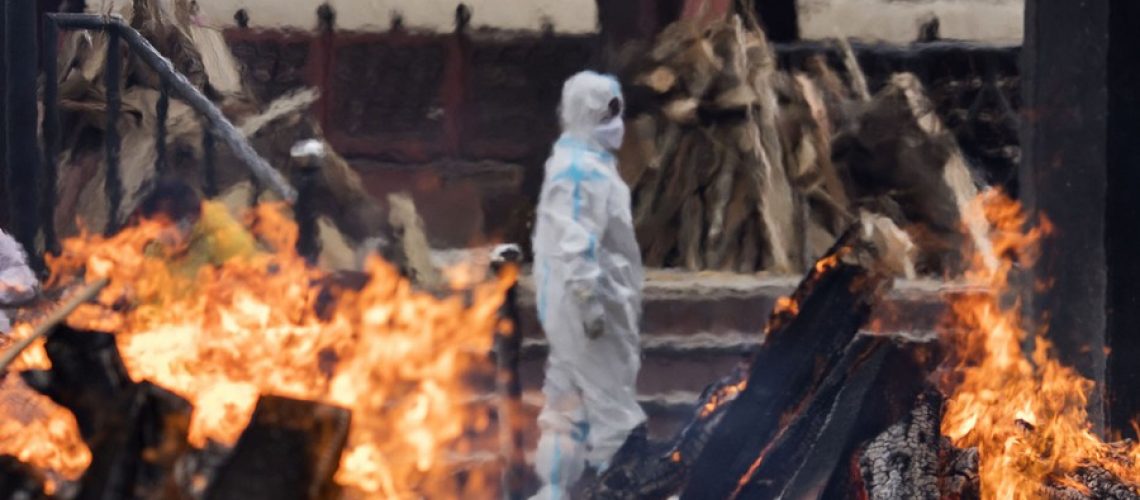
(216, 238)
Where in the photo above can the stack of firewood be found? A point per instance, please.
(738, 165)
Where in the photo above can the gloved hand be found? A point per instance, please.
(593, 318)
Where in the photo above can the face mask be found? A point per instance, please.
(610, 134)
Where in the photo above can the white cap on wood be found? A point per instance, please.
(308, 148)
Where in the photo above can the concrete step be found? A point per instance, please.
(698, 326)
(669, 362)
(686, 303)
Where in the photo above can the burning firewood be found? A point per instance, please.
(911, 460)
(291, 449)
(136, 431)
(49, 322)
(18, 480)
(903, 461)
(785, 422)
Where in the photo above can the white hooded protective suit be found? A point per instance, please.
(17, 281)
(588, 275)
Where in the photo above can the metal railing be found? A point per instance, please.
(215, 124)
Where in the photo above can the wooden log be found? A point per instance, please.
(854, 71)
(134, 453)
(718, 195)
(660, 473)
(769, 173)
(48, 323)
(87, 374)
(903, 462)
(136, 431)
(886, 155)
(958, 477)
(751, 256)
(290, 450)
(663, 474)
(831, 304)
(19, 480)
(955, 172)
(810, 390)
(659, 175)
(724, 250)
(872, 386)
(1098, 483)
(692, 219)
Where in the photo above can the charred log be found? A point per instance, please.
(842, 414)
(18, 480)
(903, 462)
(134, 453)
(1098, 483)
(136, 432)
(738, 417)
(87, 373)
(291, 449)
(959, 473)
(801, 349)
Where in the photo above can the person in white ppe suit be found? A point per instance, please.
(18, 283)
(588, 274)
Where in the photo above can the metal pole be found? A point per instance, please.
(50, 48)
(308, 157)
(113, 184)
(4, 187)
(209, 159)
(23, 155)
(508, 383)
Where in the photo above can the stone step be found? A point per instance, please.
(671, 378)
(669, 362)
(685, 303)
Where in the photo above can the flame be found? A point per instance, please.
(786, 305)
(1026, 414)
(723, 395)
(829, 262)
(399, 358)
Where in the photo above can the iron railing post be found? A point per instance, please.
(162, 108)
(113, 184)
(209, 169)
(307, 157)
(20, 107)
(508, 383)
(50, 50)
(5, 210)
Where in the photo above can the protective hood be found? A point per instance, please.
(591, 109)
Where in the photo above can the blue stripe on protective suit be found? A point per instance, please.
(556, 472)
(576, 174)
(542, 292)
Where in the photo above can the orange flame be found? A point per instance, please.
(399, 358)
(723, 395)
(1026, 414)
